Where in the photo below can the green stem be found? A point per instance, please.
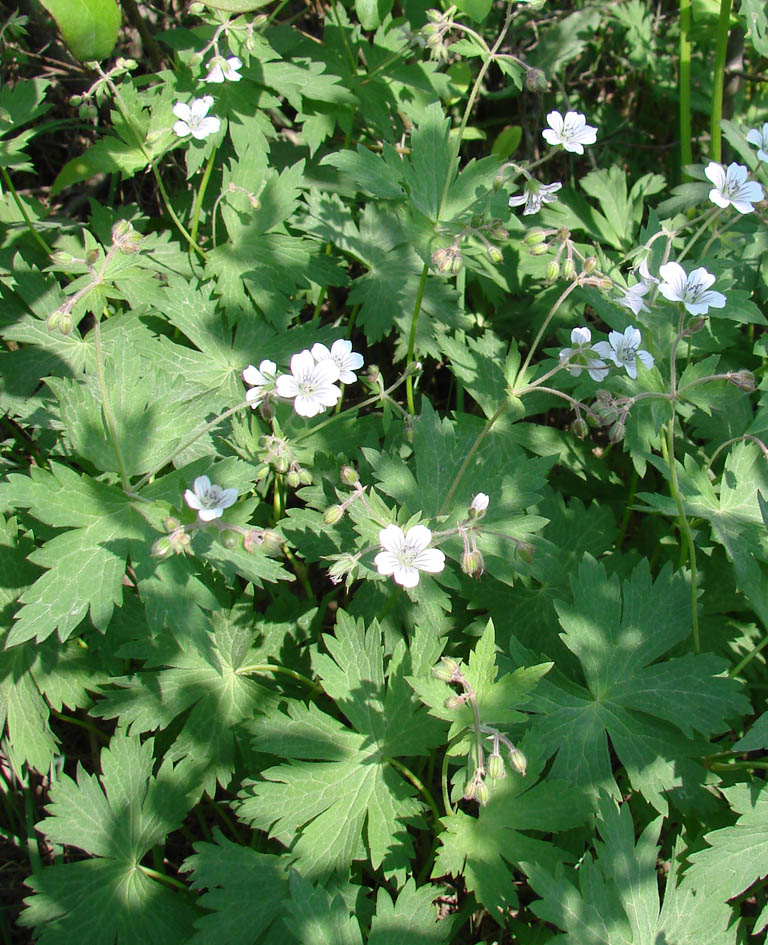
(749, 657)
(201, 196)
(686, 142)
(447, 806)
(272, 668)
(162, 878)
(23, 211)
(709, 217)
(185, 444)
(718, 80)
(412, 337)
(539, 335)
(106, 407)
(416, 782)
(473, 449)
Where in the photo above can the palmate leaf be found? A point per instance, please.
(203, 681)
(649, 710)
(339, 798)
(737, 856)
(613, 897)
(117, 818)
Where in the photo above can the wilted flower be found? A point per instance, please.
(223, 70)
(310, 384)
(192, 118)
(346, 360)
(581, 357)
(261, 381)
(759, 138)
(208, 499)
(633, 298)
(534, 196)
(405, 554)
(572, 132)
(623, 350)
(732, 187)
(692, 290)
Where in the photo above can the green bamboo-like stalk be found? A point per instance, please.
(686, 140)
(718, 80)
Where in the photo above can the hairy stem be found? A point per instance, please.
(718, 80)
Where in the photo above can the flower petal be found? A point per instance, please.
(392, 539)
(417, 538)
(431, 560)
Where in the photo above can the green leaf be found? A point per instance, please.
(477, 9)
(618, 633)
(317, 917)
(338, 798)
(431, 158)
(613, 897)
(235, 6)
(247, 893)
(367, 173)
(409, 919)
(89, 27)
(117, 818)
(372, 12)
(753, 12)
(204, 681)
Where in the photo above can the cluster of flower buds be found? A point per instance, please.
(472, 563)
(450, 671)
(125, 238)
(434, 31)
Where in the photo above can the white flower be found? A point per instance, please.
(405, 554)
(581, 356)
(311, 385)
(622, 349)
(210, 500)
(760, 140)
(732, 187)
(534, 195)
(342, 355)
(261, 381)
(223, 70)
(572, 132)
(192, 120)
(480, 503)
(692, 290)
(633, 298)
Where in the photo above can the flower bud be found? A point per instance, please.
(63, 322)
(271, 543)
(171, 523)
(119, 230)
(534, 237)
(477, 221)
(579, 428)
(180, 540)
(333, 514)
(92, 257)
(617, 431)
(469, 790)
(88, 112)
(496, 767)
(349, 475)
(552, 271)
(76, 101)
(478, 505)
(293, 479)
(605, 413)
(54, 320)
(441, 260)
(744, 380)
(456, 263)
(482, 794)
(472, 564)
(280, 464)
(590, 264)
(518, 761)
(452, 702)
(60, 258)
(536, 81)
(498, 232)
(540, 249)
(305, 477)
(569, 270)
(162, 548)
(525, 552)
(229, 540)
(446, 669)
(495, 254)
(694, 325)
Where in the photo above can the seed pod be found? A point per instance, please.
(349, 475)
(552, 271)
(534, 237)
(495, 254)
(496, 767)
(518, 761)
(293, 479)
(744, 380)
(482, 794)
(617, 431)
(472, 564)
(333, 514)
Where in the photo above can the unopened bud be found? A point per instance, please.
(456, 263)
(495, 254)
(229, 540)
(617, 431)
(605, 414)
(305, 477)
(536, 81)
(552, 271)
(119, 230)
(271, 542)
(744, 380)
(349, 475)
(126, 64)
(280, 464)
(452, 702)
(333, 514)
(498, 232)
(496, 767)
(540, 249)
(446, 669)
(472, 564)
(92, 257)
(60, 258)
(482, 794)
(88, 112)
(76, 101)
(162, 548)
(694, 325)
(479, 505)
(171, 523)
(54, 320)
(569, 269)
(293, 479)
(259, 21)
(534, 237)
(518, 761)
(579, 428)
(590, 264)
